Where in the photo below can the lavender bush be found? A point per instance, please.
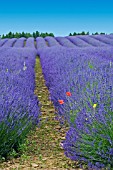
(92, 41)
(65, 42)
(19, 111)
(10, 42)
(2, 41)
(67, 66)
(20, 42)
(103, 39)
(41, 43)
(87, 75)
(90, 137)
(30, 42)
(78, 42)
(51, 41)
(91, 140)
(109, 36)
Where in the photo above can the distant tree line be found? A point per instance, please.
(38, 34)
(85, 33)
(26, 35)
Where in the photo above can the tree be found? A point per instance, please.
(37, 34)
(34, 34)
(10, 35)
(42, 35)
(70, 34)
(28, 35)
(87, 33)
(82, 33)
(102, 33)
(74, 33)
(51, 34)
(23, 34)
(96, 33)
(3, 36)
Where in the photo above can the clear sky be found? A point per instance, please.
(57, 16)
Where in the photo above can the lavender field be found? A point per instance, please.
(78, 72)
(78, 41)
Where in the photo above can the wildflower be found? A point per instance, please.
(24, 68)
(90, 65)
(68, 93)
(61, 101)
(94, 106)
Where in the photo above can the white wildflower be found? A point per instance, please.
(110, 63)
(24, 68)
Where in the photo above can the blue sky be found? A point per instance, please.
(57, 16)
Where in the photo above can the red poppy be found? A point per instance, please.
(61, 101)
(68, 93)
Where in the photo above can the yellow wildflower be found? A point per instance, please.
(94, 106)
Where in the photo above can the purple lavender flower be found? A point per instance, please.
(78, 42)
(19, 111)
(65, 42)
(108, 36)
(10, 42)
(2, 41)
(92, 41)
(20, 42)
(51, 41)
(87, 74)
(30, 42)
(103, 39)
(41, 43)
(93, 146)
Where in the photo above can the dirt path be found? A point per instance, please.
(43, 149)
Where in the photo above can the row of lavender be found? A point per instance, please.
(69, 41)
(19, 111)
(80, 82)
